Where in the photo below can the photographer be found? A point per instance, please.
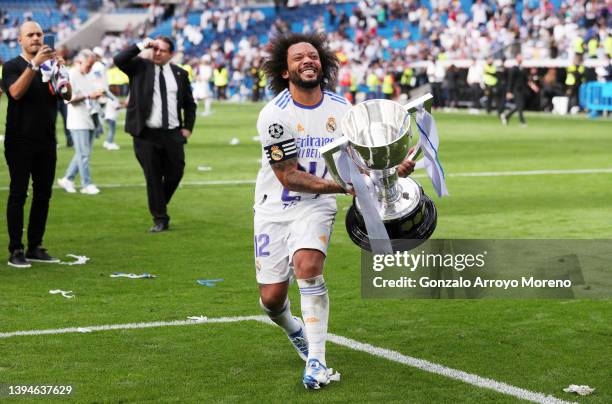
(30, 144)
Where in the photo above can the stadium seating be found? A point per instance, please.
(308, 12)
(45, 12)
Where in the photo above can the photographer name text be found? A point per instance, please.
(477, 282)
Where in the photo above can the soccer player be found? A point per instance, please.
(294, 202)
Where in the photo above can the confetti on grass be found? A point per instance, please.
(209, 282)
(68, 294)
(132, 276)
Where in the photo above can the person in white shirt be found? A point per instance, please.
(202, 90)
(479, 13)
(294, 202)
(475, 83)
(109, 103)
(81, 124)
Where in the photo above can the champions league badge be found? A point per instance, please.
(276, 130)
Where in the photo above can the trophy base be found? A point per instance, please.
(410, 231)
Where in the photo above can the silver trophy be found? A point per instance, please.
(377, 136)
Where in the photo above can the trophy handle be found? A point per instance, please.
(328, 152)
(426, 100)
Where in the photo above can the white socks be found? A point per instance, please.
(282, 318)
(315, 312)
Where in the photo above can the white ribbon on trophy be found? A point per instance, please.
(366, 197)
(429, 144)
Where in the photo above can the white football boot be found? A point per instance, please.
(316, 375)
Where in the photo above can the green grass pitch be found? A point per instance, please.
(539, 345)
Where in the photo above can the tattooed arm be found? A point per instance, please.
(300, 181)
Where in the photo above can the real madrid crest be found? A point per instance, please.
(331, 124)
(276, 153)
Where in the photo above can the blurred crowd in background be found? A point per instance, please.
(460, 51)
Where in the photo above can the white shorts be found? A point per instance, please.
(276, 242)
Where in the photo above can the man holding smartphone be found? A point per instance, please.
(30, 144)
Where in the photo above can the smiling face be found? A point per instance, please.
(30, 37)
(303, 66)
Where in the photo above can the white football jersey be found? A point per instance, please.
(290, 130)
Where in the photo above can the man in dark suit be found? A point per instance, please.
(518, 87)
(160, 117)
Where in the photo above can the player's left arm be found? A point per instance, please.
(296, 180)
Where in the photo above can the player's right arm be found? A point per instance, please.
(296, 180)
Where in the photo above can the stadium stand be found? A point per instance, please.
(59, 17)
(415, 42)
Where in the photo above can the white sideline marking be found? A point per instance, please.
(388, 354)
(418, 175)
(441, 370)
(126, 326)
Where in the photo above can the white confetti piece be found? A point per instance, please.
(582, 390)
(132, 276)
(80, 260)
(68, 294)
(334, 376)
(198, 319)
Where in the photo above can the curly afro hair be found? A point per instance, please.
(276, 63)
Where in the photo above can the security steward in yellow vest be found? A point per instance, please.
(387, 86)
(607, 45)
(220, 81)
(259, 81)
(373, 84)
(406, 81)
(592, 47)
(490, 82)
(574, 77)
(578, 45)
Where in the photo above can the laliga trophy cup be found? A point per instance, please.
(376, 137)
